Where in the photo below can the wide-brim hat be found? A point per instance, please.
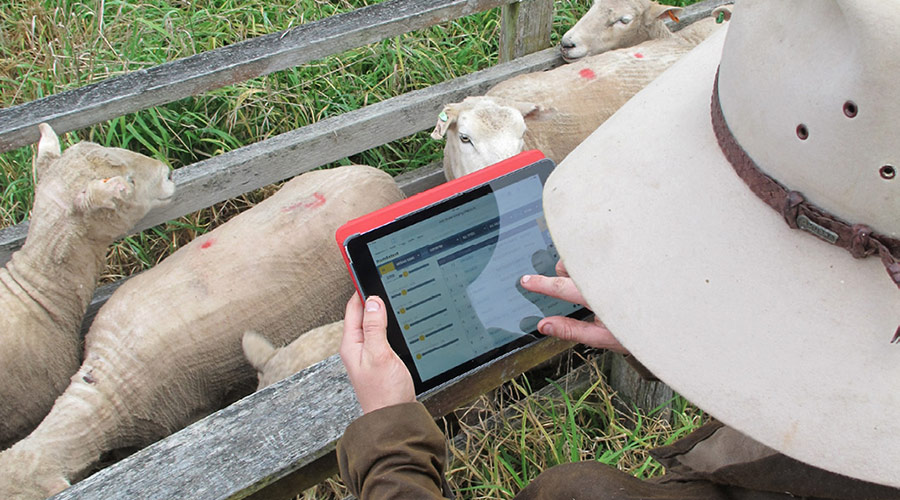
(761, 316)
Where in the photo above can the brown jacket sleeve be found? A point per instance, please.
(394, 452)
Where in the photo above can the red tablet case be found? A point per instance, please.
(394, 211)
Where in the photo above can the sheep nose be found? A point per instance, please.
(567, 44)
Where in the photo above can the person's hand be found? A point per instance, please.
(593, 333)
(378, 376)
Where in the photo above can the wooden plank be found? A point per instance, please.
(695, 12)
(421, 179)
(98, 102)
(636, 391)
(12, 238)
(525, 28)
(231, 174)
(284, 434)
(287, 148)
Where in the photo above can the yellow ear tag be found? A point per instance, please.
(672, 16)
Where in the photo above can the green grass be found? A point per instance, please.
(48, 46)
(539, 430)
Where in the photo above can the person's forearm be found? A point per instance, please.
(394, 452)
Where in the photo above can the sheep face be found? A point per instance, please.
(614, 24)
(481, 131)
(108, 190)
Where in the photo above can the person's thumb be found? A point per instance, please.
(375, 324)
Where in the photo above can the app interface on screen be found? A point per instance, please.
(453, 280)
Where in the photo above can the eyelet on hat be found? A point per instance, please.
(850, 109)
(802, 132)
(887, 172)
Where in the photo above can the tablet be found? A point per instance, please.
(447, 263)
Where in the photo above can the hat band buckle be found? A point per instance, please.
(858, 239)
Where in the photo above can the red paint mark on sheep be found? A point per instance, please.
(587, 73)
(317, 201)
(208, 243)
(320, 200)
(638, 55)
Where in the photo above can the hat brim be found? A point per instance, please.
(776, 333)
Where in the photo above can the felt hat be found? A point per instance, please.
(773, 320)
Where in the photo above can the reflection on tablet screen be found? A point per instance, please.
(452, 281)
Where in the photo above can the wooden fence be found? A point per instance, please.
(279, 441)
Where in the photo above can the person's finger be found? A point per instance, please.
(353, 333)
(374, 325)
(561, 269)
(559, 287)
(593, 334)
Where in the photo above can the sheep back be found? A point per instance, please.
(577, 98)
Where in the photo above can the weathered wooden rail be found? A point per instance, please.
(217, 179)
(278, 441)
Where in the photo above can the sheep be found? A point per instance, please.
(615, 24)
(481, 131)
(273, 364)
(166, 347)
(84, 199)
(553, 110)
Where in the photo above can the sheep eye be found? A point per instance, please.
(625, 19)
(465, 139)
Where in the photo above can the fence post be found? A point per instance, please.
(525, 28)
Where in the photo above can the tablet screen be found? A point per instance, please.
(450, 276)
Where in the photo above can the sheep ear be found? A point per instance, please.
(54, 485)
(722, 11)
(105, 157)
(48, 150)
(103, 193)
(257, 349)
(657, 11)
(446, 118)
(528, 109)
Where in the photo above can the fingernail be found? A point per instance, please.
(547, 329)
(372, 305)
(526, 278)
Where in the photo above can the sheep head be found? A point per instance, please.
(614, 24)
(481, 131)
(105, 190)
